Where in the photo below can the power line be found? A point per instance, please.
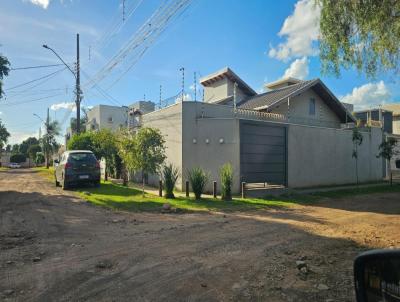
(38, 79)
(30, 101)
(34, 67)
(142, 39)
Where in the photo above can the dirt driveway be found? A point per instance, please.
(54, 247)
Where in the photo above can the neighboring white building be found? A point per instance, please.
(115, 117)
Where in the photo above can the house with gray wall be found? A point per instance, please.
(297, 134)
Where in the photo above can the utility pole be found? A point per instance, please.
(159, 105)
(195, 87)
(47, 139)
(78, 88)
(183, 82)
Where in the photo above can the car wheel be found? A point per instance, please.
(57, 182)
(64, 184)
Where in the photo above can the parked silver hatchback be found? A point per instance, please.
(77, 167)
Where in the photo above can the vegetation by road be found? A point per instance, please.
(126, 198)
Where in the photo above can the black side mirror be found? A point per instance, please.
(56, 161)
(377, 276)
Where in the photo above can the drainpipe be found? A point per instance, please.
(288, 109)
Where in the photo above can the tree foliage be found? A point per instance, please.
(4, 70)
(4, 135)
(49, 142)
(226, 175)
(39, 159)
(18, 158)
(33, 150)
(143, 151)
(387, 148)
(102, 143)
(170, 176)
(357, 139)
(360, 34)
(198, 179)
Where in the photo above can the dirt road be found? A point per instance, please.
(54, 247)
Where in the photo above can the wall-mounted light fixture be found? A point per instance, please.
(194, 141)
(207, 141)
(221, 140)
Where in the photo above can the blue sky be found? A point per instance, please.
(261, 41)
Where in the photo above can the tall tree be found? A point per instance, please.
(361, 34)
(4, 70)
(387, 151)
(4, 135)
(49, 141)
(143, 151)
(357, 139)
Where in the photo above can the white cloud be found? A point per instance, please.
(17, 137)
(186, 97)
(1, 113)
(298, 69)
(63, 105)
(300, 29)
(368, 95)
(42, 3)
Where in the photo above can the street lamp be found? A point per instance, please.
(45, 146)
(49, 48)
(77, 81)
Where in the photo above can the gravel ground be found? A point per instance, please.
(55, 247)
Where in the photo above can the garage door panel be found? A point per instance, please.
(274, 178)
(263, 152)
(262, 149)
(263, 140)
(266, 167)
(250, 158)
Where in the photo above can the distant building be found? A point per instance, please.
(115, 117)
(383, 116)
(395, 108)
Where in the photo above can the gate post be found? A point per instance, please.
(243, 189)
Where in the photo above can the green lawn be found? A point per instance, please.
(4, 168)
(380, 188)
(127, 198)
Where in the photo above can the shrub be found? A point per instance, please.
(226, 174)
(198, 179)
(170, 175)
(18, 158)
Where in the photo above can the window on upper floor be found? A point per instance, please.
(110, 119)
(312, 106)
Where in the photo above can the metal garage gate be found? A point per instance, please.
(263, 153)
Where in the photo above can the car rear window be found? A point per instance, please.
(82, 157)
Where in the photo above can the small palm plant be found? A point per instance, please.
(170, 175)
(198, 179)
(226, 174)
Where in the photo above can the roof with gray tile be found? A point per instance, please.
(269, 98)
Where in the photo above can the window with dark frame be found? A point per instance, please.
(312, 106)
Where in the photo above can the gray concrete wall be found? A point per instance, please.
(216, 91)
(323, 156)
(299, 109)
(211, 139)
(169, 122)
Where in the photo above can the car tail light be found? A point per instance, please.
(68, 166)
(97, 165)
